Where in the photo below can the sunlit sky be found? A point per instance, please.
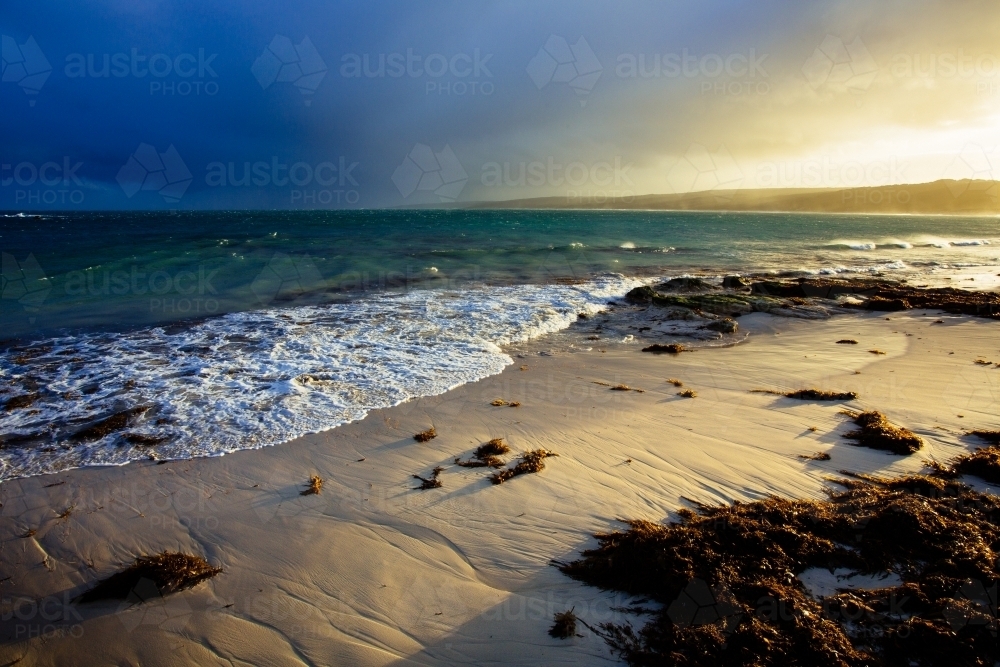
(616, 97)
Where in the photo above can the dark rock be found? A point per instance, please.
(948, 299)
(685, 285)
(671, 348)
(726, 326)
(887, 305)
(642, 294)
(108, 425)
(719, 303)
(735, 282)
(143, 440)
(779, 289)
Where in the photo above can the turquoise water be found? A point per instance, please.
(132, 268)
(215, 332)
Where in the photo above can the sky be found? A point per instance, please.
(235, 104)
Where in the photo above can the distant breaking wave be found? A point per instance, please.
(925, 242)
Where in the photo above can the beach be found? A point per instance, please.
(375, 334)
(372, 571)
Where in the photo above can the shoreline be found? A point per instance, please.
(692, 310)
(441, 576)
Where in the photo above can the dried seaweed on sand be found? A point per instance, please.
(726, 578)
(314, 486)
(432, 482)
(487, 456)
(811, 394)
(168, 573)
(877, 432)
(530, 462)
(424, 436)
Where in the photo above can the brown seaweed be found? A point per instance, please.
(726, 579)
(168, 573)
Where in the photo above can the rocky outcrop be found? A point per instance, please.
(685, 285)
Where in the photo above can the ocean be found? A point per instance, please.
(212, 332)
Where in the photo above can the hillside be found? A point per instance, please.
(945, 197)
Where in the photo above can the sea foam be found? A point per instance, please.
(253, 379)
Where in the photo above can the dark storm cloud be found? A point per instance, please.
(384, 104)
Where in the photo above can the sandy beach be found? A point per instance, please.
(371, 571)
(655, 334)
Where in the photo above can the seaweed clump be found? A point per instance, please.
(727, 579)
(983, 463)
(819, 395)
(432, 482)
(486, 456)
(988, 436)
(530, 462)
(564, 626)
(314, 486)
(168, 573)
(424, 436)
(499, 403)
(622, 387)
(811, 394)
(21, 401)
(877, 432)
